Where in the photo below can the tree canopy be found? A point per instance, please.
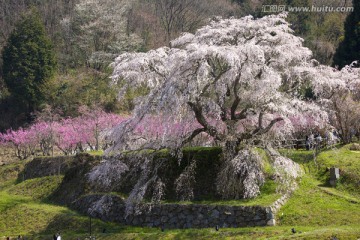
(232, 82)
(28, 60)
(349, 49)
(234, 77)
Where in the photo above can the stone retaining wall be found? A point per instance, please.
(201, 216)
(111, 208)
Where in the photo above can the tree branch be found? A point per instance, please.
(242, 114)
(260, 121)
(193, 135)
(152, 68)
(260, 130)
(223, 114)
(197, 108)
(237, 98)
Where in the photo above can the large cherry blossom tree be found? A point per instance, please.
(235, 79)
(231, 82)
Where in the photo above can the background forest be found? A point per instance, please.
(87, 35)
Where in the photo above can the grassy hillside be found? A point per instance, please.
(348, 161)
(315, 205)
(315, 210)
(25, 210)
(342, 157)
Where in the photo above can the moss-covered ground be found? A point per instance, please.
(315, 210)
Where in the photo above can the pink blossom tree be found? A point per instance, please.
(88, 131)
(96, 125)
(22, 140)
(70, 135)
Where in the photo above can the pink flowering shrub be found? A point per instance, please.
(89, 131)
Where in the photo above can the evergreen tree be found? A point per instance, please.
(349, 49)
(28, 61)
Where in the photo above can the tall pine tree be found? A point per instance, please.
(28, 61)
(349, 49)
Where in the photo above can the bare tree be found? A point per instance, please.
(159, 21)
(346, 114)
(178, 16)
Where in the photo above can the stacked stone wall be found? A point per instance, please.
(112, 208)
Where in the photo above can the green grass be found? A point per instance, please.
(348, 162)
(350, 232)
(342, 157)
(26, 216)
(38, 188)
(39, 220)
(313, 205)
(300, 156)
(315, 210)
(10, 171)
(268, 169)
(96, 153)
(303, 157)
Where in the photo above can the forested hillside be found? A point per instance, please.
(87, 35)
